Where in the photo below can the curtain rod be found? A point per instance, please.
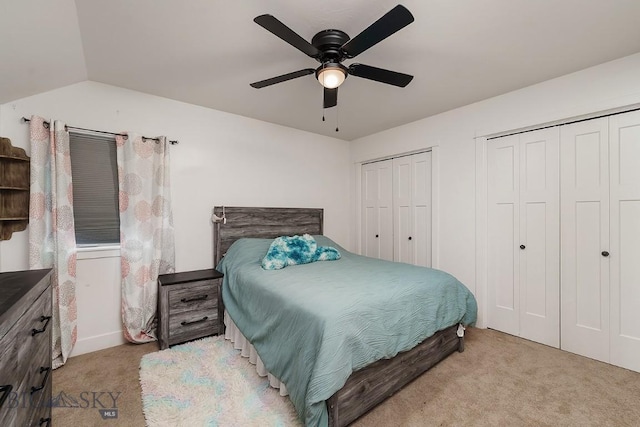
(46, 124)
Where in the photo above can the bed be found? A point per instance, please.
(342, 335)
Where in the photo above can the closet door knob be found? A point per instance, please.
(409, 237)
(522, 246)
(376, 236)
(605, 253)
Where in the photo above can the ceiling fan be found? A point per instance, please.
(331, 47)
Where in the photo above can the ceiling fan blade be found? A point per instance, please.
(272, 24)
(394, 20)
(380, 75)
(282, 78)
(330, 97)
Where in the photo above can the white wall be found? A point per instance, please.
(232, 160)
(607, 86)
(222, 159)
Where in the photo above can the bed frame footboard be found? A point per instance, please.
(373, 384)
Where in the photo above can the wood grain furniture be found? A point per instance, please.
(14, 189)
(189, 306)
(371, 385)
(25, 348)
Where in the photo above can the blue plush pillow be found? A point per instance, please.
(326, 253)
(294, 250)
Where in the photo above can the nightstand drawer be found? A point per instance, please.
(193, 324)
(199, 296)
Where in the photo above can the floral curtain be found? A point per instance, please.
(52, 240)
(146, 230)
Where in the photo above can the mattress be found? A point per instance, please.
(313, 325)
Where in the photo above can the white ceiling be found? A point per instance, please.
(206, 52)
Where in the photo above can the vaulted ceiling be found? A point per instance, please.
(206, 52)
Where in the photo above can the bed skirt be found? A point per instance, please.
(233, 334)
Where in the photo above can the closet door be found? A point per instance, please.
(422, 206)
(412, 209)
(539, 249)
(503, 237)
(624, 258)
(377, 210)
(523, 239)
(585, 238)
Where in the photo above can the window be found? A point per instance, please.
(95, 189)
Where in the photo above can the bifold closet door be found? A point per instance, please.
(412, 209)
(539, 248)
(624, 258)
(584, 154)
(503, 234)
(377, 210)
(523, 235)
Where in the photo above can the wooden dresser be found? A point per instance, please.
(25, 348)
(189, 306)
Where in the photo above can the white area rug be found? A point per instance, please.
(207, 383)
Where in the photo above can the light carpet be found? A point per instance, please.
(207, 383)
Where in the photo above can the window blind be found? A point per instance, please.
(95, 189)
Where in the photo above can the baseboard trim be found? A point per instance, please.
(98, 342)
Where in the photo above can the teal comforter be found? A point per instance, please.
(314, 324)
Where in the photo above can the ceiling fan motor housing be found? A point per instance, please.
(329, 43)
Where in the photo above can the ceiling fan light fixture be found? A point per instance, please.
(331, 75)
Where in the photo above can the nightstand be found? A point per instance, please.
(189, 306)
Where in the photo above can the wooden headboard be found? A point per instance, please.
(266, 223)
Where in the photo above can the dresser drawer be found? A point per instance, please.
(33, 395)
(38, 378)
(197, 296)
(34, 332)
(25, 358)
(9, 382)
(41, 410)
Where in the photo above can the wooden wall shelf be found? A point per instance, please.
(14, 189)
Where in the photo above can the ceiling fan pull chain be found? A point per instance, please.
(323, 107)
(337, 117)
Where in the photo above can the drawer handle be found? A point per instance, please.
(44, 380)
(185, 323)
(46, 421)
(5, 390)
(200, 298)
(44, 328)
